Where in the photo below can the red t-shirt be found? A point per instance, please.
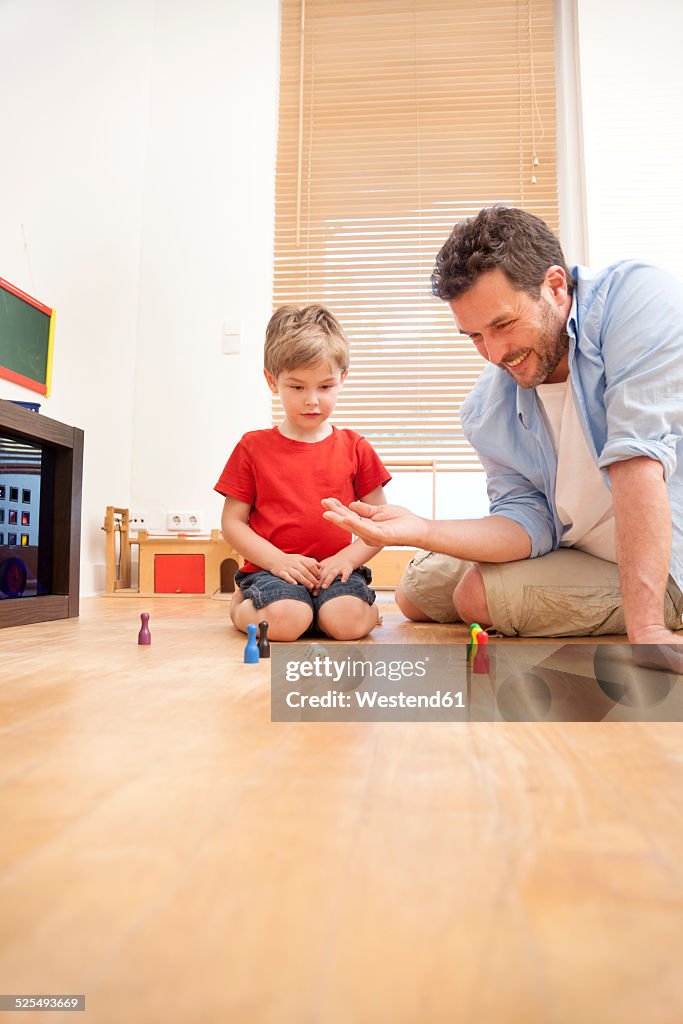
(284, 481)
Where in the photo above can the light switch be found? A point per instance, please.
(231, 337)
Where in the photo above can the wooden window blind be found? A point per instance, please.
(397, 118)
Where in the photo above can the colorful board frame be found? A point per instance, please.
(43, 339)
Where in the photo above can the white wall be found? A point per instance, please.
(632, 92)
(74, 87)
(570, 159)
(137, 194)
(206, 248)
(137, 199)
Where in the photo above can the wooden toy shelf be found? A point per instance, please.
(182, 564)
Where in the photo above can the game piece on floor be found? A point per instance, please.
(251, 655)
(144, 636)
(481, 664)
(475, 631)
(263, 643)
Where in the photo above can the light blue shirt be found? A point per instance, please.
(626, 370)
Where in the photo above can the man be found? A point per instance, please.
(576, 422)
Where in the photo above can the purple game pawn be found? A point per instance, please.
(144, 636)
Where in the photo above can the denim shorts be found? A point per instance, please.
(262, 588)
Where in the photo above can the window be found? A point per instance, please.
(397, 119)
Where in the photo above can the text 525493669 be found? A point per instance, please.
(42, 1002)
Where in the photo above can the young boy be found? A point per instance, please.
(299, 568)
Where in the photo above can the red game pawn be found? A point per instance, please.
(144, 636)
(481, 664)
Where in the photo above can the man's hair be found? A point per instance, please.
(520, 244)
(301, 335)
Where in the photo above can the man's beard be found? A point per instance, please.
(549, 348)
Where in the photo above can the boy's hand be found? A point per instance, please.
(341, 564)
(296, 569)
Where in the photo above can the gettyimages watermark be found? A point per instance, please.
(503, 682)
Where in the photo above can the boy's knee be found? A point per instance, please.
(287, 620)
(469, 598)
(287, 623)
(347, 618)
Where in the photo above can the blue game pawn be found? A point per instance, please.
(251, 654)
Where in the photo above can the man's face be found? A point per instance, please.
(526, 337)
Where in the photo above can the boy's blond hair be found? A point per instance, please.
(301, 335)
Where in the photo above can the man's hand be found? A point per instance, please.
(378, 524)
(658, 647)
(296, 569)
(342, 564)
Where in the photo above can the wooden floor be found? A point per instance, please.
(172, 854)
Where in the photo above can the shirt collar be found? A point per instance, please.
(573, 320)
(526, 397)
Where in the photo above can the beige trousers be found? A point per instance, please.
(564, 593)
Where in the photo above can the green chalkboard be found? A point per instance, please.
(26, 334)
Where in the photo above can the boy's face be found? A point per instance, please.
(308, 393)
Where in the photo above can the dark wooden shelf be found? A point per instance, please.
(60, 514)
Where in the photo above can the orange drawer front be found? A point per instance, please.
(179, 574)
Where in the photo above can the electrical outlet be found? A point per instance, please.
(183, 522)
(138, 520)
(193, 520)
(174, 521)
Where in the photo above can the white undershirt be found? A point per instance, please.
(583, 500)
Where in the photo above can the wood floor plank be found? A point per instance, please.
(176, 856)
